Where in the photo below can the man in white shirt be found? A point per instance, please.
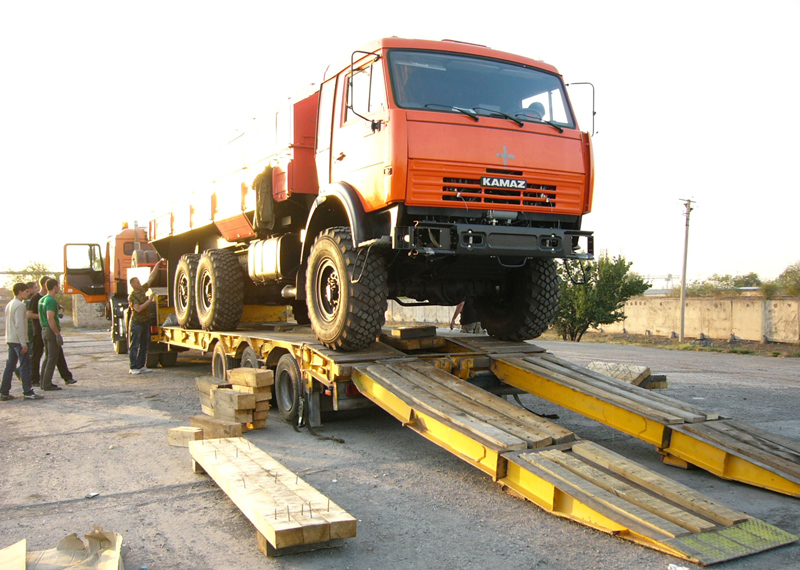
(17, 341)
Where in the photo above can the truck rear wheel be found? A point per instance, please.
(525, 305)
(249, 358)
(184, 291)
(220, 290)
(345, 315)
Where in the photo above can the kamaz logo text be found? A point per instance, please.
(492, 182)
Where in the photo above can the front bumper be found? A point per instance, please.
(430, 238)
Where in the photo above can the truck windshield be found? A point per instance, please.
(448, 82)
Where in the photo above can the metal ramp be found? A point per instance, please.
(551, 467)
(684, 434)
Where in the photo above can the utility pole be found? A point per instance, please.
(688, 205)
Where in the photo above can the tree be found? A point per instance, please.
(720, 285)
(33, 272)
(604, 288)
(789, 280)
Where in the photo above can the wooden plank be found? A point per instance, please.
(629, 373)
(524, 417)
(205, 384)
(638, 397)
(405, 333)
(694, 410)
(595, 392)
(428, 343)
(261, 394)
(707, 431)
(487, 344)
(635, 495)
(481, 411)
(417, 398)
(667, 488)
(255, 378)
(215, 428)
(658, 527)
(273, 498)
(14, 557)
(231, 399)
(757, 437)
(231, 415)
(181, 436)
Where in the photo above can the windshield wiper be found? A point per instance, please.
(501, 113)
(539, 120)
(468, 112)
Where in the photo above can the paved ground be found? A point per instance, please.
(418, 506)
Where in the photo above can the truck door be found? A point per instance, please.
(84, 272)
(360, 132)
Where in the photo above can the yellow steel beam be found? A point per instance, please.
(608, 413)
(726, 465)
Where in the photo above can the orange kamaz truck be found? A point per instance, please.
(421, 171)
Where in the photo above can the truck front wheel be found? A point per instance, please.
(525, 305)
(220, 290)
(346, 291)
(184, 292)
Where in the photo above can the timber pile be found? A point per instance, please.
(632, 374)
(412, 338)
(289, 514)
(243, 399)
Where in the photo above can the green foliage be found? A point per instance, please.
(33, 272)
(720, 285)
(789, 281)
(606, 286)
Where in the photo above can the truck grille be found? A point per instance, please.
(453, 185)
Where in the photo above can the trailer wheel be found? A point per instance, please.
(220, 290)
(288, 388)
(221, 362)
(152, 359)
(184, 291)
(120, 346)
(345, 315)
(250, 358)
(168, 359)
(525, 305)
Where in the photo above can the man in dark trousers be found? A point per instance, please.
(139, 304)
(38, 342)
(49, 317)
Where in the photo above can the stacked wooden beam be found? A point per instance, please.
(242, 399)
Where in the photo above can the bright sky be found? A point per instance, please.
(110, 110)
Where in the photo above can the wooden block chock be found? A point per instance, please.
(216, 428)
(289, 514)
(252, 377)
(181, 436)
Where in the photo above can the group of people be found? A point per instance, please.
(31, 332)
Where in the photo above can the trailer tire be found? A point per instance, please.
(184, 291)
(250, 358)
(345, 315)
(221, 362)
(288, 388)
(168, 359)
(220, 290)
(527, 306)
(152, 359)
(120, 346)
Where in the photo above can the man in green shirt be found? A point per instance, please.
(51, 334)
(139, 304)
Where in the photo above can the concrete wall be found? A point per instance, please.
(748, 318)
(88, 315)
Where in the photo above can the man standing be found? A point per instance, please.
(17, 340)
(51, 335)
(139, 304)
(61, 363)
(38, 344)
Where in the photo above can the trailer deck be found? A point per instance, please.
(432, 391)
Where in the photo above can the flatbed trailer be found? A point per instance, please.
(449, 390)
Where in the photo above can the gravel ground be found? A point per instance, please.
(417, 506)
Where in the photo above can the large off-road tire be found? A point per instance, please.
(345, 315)
(525, 305)
(220, 290)
(300, 312)
(184, 291)
(288, 387)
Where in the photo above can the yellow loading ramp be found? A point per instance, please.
(684, 434)
(548, 465)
